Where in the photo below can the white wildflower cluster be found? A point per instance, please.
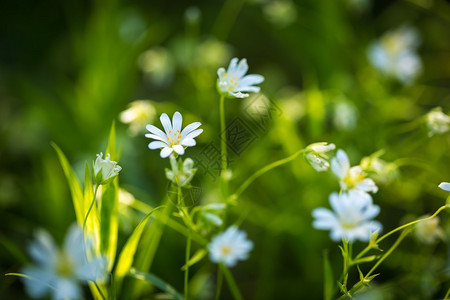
(395, 54)
(437, 122)
(137, 115)
(353, 208)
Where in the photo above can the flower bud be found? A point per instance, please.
(105, 170)
(316, 157)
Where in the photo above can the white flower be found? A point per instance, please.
(137, 114)
(351, 177)
(174, 138)
(445, 186)
(105, 169)
(351, 218)
(437, 122)
(315, 154)
(394, 54)
(60, 271)
(233, 82)
(229, 247)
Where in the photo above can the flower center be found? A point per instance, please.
(229, 82)
(352, 179)
(64, 266)
(173, 138)
(225, 250)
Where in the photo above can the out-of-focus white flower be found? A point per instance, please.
(378, 168)
(181, 172)
(233, 82)
(351, 218)
(394, 54)
(229, 247)
(158, 65)
(137, 115)
(445, 186)
(345, 116)
(173, 139)
(60, 271)
(316, 155)
(437, 122)
(351, 177)
(280, 12)
(105, 169)
(428, 231)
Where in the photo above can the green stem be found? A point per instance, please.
(447, 295)
(231, 283)
(99, 290)
(370, 246)
(223, 145)
(219, 283)
(262, 171)
(186, 273)
(90, 207)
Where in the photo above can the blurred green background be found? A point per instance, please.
(69, 68)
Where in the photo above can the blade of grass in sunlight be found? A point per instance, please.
(155, 280)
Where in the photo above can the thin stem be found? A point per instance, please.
(186, 273)
(370, 246)
(231, 283)
(447, 295)
(90, 207)
(223, 144)
(219, 283)
(264, 170)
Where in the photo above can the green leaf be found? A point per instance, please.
(198, 256)
(127, 255)
(158, 282)
(109, 210)
(328, 288)
(92, 223)
(74, 185)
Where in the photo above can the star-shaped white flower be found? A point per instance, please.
(351, 177)
(229, 247)
(233, 82)
(351, 218)
(173, 139)
(60, 271)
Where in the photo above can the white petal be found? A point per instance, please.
(445, 186)
(238, 95)
(191, 127)
(232, 65)
(156, 130)
(193, 134)
(66, 289)
(340, 164)
(220, 72)
(43, 250)
(242, 68)
(95, 269)
(73, 244)
(324, 218)
(166, 151)
(178, 149)
(249, 89)
(251, 79)
(367, 185)
(154, 136)
(157, 145)
(165, 121)
(177, 120)
(39, 283)
(188, 142)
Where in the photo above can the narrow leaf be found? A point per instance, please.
(158, 282)
(198, 256)
(92, 224)
(109, 209)
(127, 255)
(328, 287)
(74, 185)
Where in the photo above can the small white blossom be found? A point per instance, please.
(105, 169)
(394, 54)
(445, 186)
(229, 247)
(173, 139)
(351, 218)
(437, 122)
(316, 155)
(60, 271)
(351, 177)
(233, 82)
